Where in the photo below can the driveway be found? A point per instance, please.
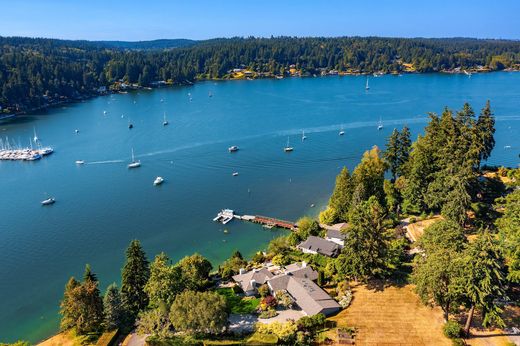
(134, 340)
(283, 316)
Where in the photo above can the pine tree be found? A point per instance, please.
(341, 197)
(486, 130)
(113, 308)
(67, 305)
(392, 153)
(484, 280)
(369, 176)
(405, 146)
(134, 277)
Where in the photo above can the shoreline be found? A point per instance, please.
(86, 97)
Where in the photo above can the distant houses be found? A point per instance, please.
(297, 280)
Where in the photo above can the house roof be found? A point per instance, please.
(301, 271)
(332, 233)
(336, 227)
(260, 276)
(320, 245)
(309, 296)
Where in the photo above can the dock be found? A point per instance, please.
(226, 215)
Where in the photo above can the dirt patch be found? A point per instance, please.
(62, 339)
(391, 316)
(416, 230)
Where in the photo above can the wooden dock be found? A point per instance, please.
(272, 222)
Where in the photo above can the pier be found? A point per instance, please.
(227, 215)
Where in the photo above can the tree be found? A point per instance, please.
(403, 153)
(134, 277)
(483, 280)
(199, 312)
(165, 281)
(306, 227)
(155, 322)
(443, 235)
(341, 198)
(366, 243)
(195, 272)
(509, 233)
(457, 203)
(82, 305)
(391, 154)
(113, 309)
(232, 265)
(368, 177)
(486, 129)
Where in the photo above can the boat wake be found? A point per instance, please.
(103, 162)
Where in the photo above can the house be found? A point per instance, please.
(317, 245)
(251, 280)
(336, 236)
(297, 280)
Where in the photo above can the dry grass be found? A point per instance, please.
(391, 316)
(416, 230)
(61, 339)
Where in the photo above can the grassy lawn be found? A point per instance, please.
(391, 315)
(239, 305)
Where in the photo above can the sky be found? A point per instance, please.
(135, 20)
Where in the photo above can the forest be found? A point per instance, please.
(37, 72)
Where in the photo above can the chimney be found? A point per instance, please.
(241, 271)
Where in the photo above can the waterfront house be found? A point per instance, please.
(317, 245)
(297, 280)
(251, 280)
(336, 236)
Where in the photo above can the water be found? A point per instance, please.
(102, 205)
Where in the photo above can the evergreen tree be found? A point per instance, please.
(134, 277)
(403, 153)
(369, 176)
(392, 153)
(483, 280)
(113, 308)
(341, 198)
(67, 305)
(509, 233)
(486, 131)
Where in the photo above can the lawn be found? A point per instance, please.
(239, 305)
(391, 316)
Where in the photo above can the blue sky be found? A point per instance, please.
(134, 20)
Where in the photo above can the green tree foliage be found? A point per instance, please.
(35, 72)
(18, 343)
(134, 277)
(369, 177)
(113, 308)
(339, 203)
(443, 235)
(232, 265)
(82, 305)
(307, 226)
(195, 272)
(509, 233)
(366, 245)
(165, 281)
(199, 312)
(391, 153)
(483, 280)
(155, 322)
(486, 131)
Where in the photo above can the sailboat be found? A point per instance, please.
(303, 136)
(341, 132)
(366, 86)
(380, 124)
(35, 136)
(287, 147)
(165, 122)
(134, 163)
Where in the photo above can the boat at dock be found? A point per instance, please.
(224, 216)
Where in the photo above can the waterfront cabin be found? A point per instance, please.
(316, 245)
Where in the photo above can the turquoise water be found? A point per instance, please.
(102, 205)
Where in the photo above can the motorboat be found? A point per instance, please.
(48, 201)
(233, 148)
(235, 174)
(80, 162)
(158, 181)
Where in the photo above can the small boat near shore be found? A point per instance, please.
(225, 216)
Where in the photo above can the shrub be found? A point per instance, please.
(285, 332)
(452, 330)
(268, 313)
(268, 302)
(263, 290)
(345, 300)
(284, 299)
(458, 342)
(413, 219)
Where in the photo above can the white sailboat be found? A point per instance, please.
(134, 163)
(303, 136)
(380, 124)
(165, 122)
(35, 138)
(366, 86)
(288, 148)
(341, 132)
(48, 201)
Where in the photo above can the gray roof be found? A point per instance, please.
(260, 276)
(320, 245)
(332, 233)
(309, 296)
(299, 271)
